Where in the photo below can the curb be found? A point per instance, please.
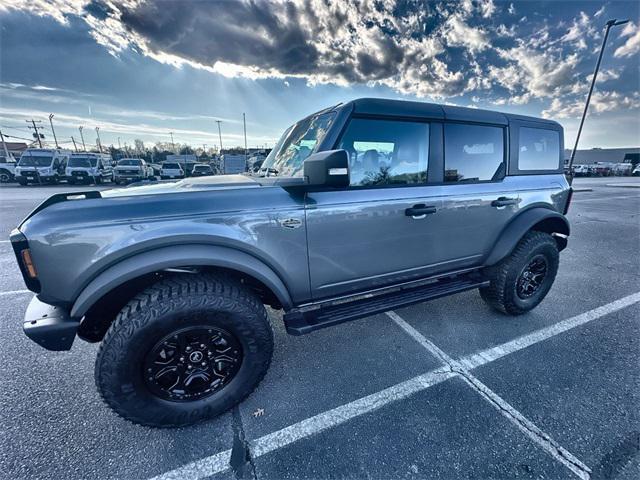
(577, 190)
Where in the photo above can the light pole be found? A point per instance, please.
(611, 23)
(246, 156)
(55, 139)
(84, 147)
(219, 135)
(99, 141)
(172, 143)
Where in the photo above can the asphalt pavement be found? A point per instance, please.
(445, 389)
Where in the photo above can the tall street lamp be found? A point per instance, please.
(52, 130)
(611, 23)
(84, 147)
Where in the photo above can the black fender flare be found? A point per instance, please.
(537, 218)
(173, 257)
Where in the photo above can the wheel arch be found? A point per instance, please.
(106, 294)
(537, 218)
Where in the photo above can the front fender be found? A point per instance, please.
(178, 256)
(538, 218)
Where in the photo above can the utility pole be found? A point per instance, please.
(611, 23)
(55, 139)
(84, 147)
(173, 145)
(119, 146)
(74, 144)
(4, 145)
(99, 141)
(219, 135)
(246, 156)
(35, 128)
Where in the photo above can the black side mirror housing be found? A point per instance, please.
(327, 169)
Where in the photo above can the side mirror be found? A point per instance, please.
(327, 169)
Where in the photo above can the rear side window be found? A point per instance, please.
(538, 149)
(386, 152)
(473, 153)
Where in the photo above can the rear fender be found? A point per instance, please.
(178, 256)
(538, 218)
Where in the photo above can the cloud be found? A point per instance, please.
(632, 45)
(439, 49)
(600, 102)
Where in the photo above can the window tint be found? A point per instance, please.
(473, 153)
(386, 152)
(539, 149)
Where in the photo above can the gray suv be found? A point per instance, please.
(361, 208)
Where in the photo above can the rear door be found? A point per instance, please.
(478, 199)
(385, 228)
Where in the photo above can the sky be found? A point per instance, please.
(145, 68)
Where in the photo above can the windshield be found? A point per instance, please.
(171, 166)
(136, 163)
(295, 145)
(202, 167)
(85, 162)
(33, 161)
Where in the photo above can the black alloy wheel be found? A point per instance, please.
(192, 363)
(532, 277)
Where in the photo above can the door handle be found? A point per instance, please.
(504, 201)
(420, 211)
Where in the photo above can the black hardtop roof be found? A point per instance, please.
(412, 109)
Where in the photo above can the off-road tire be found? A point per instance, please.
(168, 306)
(501, 293)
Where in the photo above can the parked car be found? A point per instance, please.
(370, 205)
(41, 165)
(89, 168)
(7, 168)
(581, 171)
(636, 171)
(171, 170)
(157, 169)
(622, 169)
(131, 170)
(201, 170)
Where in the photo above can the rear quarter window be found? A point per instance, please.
(538, 149)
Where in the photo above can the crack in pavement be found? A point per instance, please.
(241, 460)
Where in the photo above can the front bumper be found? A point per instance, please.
(49, 326)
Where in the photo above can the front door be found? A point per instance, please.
(386, 227)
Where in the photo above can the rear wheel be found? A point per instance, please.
(522, 280)
(185, 350)
(5, 176)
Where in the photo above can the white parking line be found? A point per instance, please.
(603, 198)
(219, 462)
(509, 412)
(15, 292)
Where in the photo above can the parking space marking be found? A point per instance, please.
(603, 198)
(14, 292)
(525, 425)
(492, 354)
(316, 424)
(305, 428)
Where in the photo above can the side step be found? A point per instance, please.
(299, 321)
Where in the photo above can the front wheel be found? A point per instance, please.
(185, 350)
(522, 280)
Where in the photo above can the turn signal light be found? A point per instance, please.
(28, 263)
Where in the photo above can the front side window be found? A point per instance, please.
(295, 145)
(539, 149)
(473, 153)
(386, 152)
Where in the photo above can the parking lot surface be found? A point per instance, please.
(444, 389)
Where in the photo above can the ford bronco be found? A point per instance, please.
(361, 208)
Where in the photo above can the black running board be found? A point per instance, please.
(301, 321)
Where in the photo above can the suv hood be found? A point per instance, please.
(189, 184)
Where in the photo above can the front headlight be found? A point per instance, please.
(45, 170)
(67, 172)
